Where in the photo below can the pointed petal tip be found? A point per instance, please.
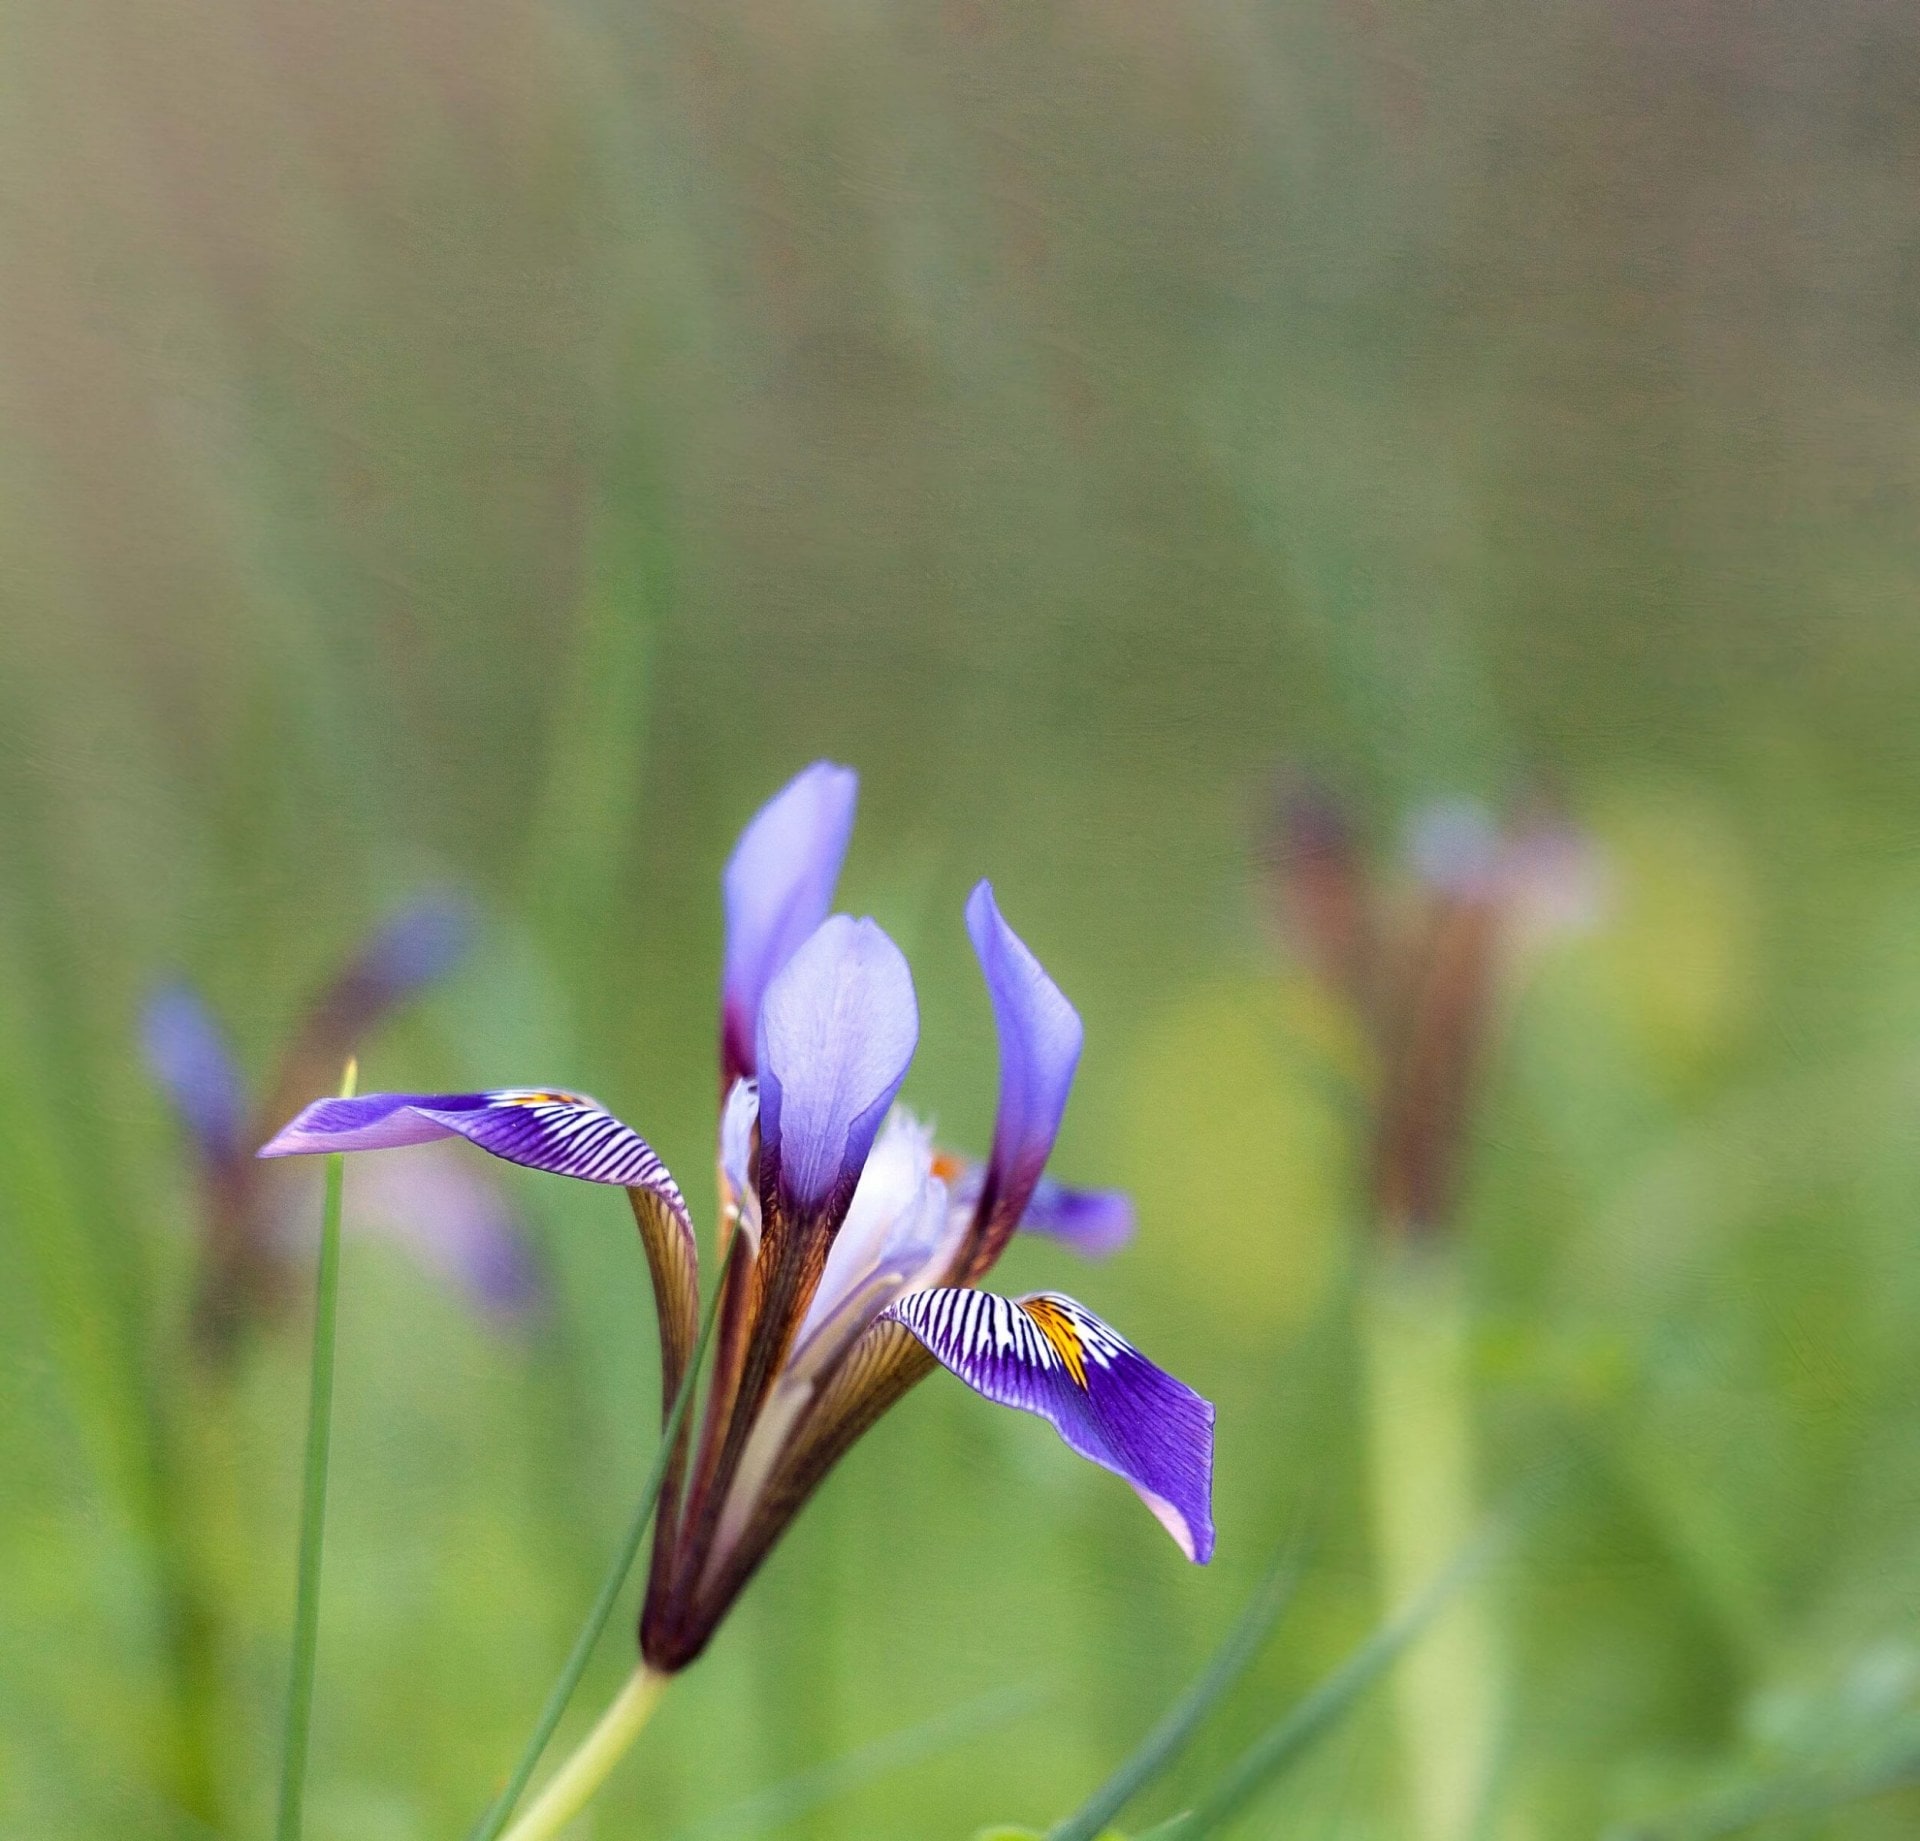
(1040, 1036)
(1096, 1223)
(563, 1134)
(1044, 1354)
(777, 888)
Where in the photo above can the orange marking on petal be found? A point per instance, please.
(947, 1166)
(1057, 1327)
(554, 1098)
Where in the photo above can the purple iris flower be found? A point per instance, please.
(455, 1224)
(857, 1247)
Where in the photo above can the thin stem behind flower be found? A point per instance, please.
(490, 1825)
(313, 1502)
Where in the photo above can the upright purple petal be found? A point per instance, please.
(1040, 1038)
(838, 1027)
(566, 1134)
(1047, 1355)
(188, 1053)
(778, 888)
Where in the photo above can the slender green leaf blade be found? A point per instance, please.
(495, 1819)
(1169, 1738)
(313, 1501)
(1296, 1733)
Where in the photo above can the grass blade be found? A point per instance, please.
(495, 1819)
(1808, 1795)
(1289, 1739)
(1167, 1739)
(772, 1809)
(313, 1499)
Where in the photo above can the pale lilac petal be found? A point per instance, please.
(740, 1201)
(1040, 1036)
(778, 888)
(1095, 1222)
(1454, 847)
(189, 1056)
(738, 1117)
(455, 1222)
(566, 1134)
(898, 1221)
(838, 1028)
(1047, 1355)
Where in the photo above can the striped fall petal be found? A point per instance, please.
(1049, 1356)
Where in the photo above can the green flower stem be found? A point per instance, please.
(572, 1786)
(490, 1825)
(313, 1503)
(1415, 1333)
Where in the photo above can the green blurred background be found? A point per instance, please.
(496, 443)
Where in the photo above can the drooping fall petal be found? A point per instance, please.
(1049, 1356)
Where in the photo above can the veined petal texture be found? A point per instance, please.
(566, 1134)
(1049, 1356)
(778, 887)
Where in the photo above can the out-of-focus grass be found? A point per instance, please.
(499, 443)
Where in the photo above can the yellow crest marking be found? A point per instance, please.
(1057, 1327)
(542, 1099)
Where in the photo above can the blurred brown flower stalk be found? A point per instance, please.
(1424, 962)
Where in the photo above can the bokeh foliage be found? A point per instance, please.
(491, 442)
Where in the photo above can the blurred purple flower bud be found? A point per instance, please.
(188, 1054)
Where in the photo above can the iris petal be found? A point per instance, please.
(838, 1028)
(1040, 1037)
(566, 1134)
(455, 1221)
(1047, 1355)
(1095, 1222)
(188, 1053)
(778, 888)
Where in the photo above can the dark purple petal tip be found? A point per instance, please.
(778, 888)
(1049, 1356)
